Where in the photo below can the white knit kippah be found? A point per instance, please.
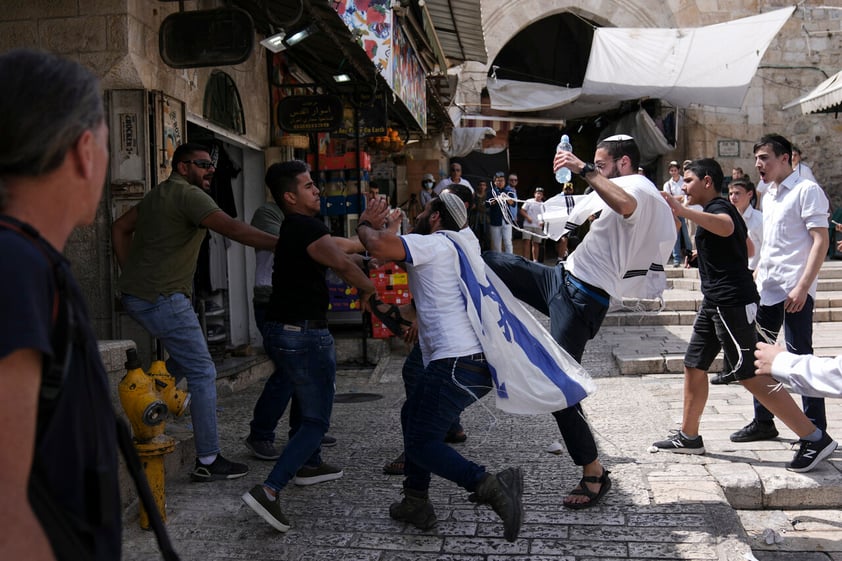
(455, 208)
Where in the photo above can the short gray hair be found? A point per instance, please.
(46, 103)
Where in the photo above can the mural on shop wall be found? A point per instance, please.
(371, 22)
(408, 80)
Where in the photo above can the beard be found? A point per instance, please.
(422, 226)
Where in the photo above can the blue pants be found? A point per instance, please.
(434, 402)
(267, 407)
(576, 313)
(798, 333)
(413, 367)
(305, 367)
(684, 237)
(173, 321)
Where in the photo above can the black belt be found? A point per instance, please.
(476, 357)
(305, 324)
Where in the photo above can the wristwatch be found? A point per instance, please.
(586, 169)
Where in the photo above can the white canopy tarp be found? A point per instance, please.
(826, 97)
(710, 65)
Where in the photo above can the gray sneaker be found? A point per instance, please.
(262, 449)
(680, 444)
(268, 509)
(309, 475)
(503, 492)
(220, 469)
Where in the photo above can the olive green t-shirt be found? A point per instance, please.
(167, 238)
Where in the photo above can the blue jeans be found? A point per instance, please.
(683, 236)
(174, 322)
(576, 315)
(434, 403)
(305, 368)
(267, 407)
(413, 368)
(798, 333)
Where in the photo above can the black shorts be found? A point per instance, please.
(727, 328)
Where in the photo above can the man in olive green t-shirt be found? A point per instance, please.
(157, 247)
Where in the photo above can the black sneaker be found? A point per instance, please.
(328, 441)
(268, 509)
(680, 444)
(219, 469)
(262, 449)
(309, 475)
(723, 378)
(415, 509)
(503, 493)
(754, 431)
(811, 453)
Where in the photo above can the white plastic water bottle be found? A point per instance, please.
(563, 174)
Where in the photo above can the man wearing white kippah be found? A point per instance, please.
(623, 255)
(455, 370)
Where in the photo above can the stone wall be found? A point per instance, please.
(808, 48)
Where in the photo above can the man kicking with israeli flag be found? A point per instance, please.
(622, 255)
(470, 329)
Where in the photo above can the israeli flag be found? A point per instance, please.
(532, 373)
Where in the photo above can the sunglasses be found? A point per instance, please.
(204, 164)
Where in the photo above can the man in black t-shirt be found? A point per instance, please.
(297, 338)
(726, 320)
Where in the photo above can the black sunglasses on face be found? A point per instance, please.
(204, 164)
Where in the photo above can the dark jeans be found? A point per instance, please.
(438, 398)
(798, 333)
(267, 402)
(413, 367)
(575, 317)
(305, 367)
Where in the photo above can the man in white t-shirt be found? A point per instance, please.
(455, 370)
(533, 235)
(454, 177)
(673, 187)
(799, 166)
(622, 255)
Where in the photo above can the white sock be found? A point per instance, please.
(687, 436)
(207, 460)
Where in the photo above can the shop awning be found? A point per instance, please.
(825, 98)
(458, 28)
(710, 65)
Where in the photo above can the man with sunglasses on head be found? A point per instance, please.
(454, 177)
(623, 255)
(157, 246)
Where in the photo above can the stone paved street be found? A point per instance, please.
(662, 506)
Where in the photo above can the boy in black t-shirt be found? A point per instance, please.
(726, 320)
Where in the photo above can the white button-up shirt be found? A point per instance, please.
(754, 223)
(790, 210)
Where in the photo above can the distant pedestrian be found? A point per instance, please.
(500, 225)
(533, 234)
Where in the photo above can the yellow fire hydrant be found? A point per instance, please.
(146, 398)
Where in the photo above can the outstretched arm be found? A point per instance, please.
(239, 231)
(616, 198)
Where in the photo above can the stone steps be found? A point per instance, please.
(652, 336)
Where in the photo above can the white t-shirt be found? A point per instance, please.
(447, 181)
(618, 247)
(533, 209)
(790, 210)
(674, 188)
(444, 329)
(754, 223)
(805, 172)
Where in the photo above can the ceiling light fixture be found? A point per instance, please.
(300, 35)
(275, 43)
(340, 78)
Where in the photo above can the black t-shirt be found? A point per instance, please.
(77, 452)
(723, 261)
(299, 291)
